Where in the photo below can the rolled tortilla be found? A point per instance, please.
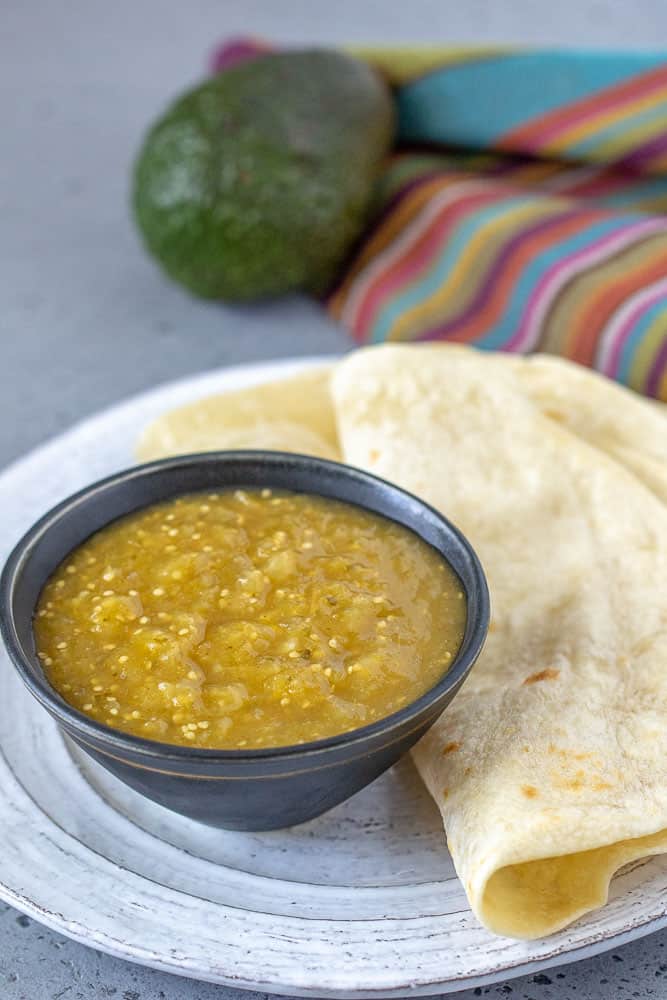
(550, 767)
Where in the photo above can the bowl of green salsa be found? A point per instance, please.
(247, 638)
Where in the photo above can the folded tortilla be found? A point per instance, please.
(297, 414)
(290, 414)
(550, 766)
(629, 427)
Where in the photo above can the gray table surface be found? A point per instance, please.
(86, 319)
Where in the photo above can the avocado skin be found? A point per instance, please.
(257, 182)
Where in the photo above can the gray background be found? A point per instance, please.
(86, 319)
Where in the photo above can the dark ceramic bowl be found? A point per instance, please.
(237, 789)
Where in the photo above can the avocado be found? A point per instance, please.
(257, 182)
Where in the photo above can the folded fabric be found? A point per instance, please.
(523, 209)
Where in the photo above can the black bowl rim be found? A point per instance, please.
(77, 722)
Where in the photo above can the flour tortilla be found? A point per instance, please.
(550, 767)
(629, 427)
(297, 414)
(293, 414)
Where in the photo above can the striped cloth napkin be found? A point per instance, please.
(522, 209)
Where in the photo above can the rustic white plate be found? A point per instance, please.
(362, 902)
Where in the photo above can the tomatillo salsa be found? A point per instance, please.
(249, 618)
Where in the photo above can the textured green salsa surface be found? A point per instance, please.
(248, 619)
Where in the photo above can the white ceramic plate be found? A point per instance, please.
(362, 902)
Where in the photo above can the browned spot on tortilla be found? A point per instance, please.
(445, 793)
(492, 626)
(599, 785)
(450, 747)
(571, 754)
(570, 784)
(555, 415)
(467, 771)
(643, 645)
(526, 749)
(548, 674)
(529, 791)
(373, 455)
